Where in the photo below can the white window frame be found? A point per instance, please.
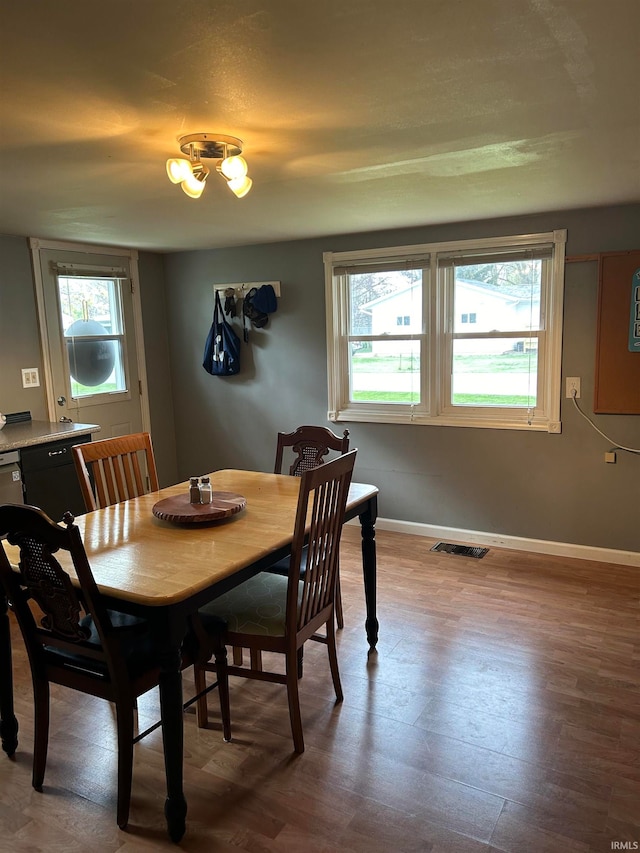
(118, 279)
(436, 339)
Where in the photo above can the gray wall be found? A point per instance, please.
(158, 362)
(19, 338)
(501, 481)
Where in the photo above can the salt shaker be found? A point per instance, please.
(194, 490)
(205, 490)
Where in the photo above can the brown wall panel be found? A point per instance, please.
(617, 373)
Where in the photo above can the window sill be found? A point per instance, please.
(362, 415)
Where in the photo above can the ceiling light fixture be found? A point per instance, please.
(192, 174)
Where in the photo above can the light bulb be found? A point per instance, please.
(240, 186)
(234, 167)
(194, 183)
(178, 170)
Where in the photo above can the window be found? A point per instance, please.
(92, 325)
(400, 346)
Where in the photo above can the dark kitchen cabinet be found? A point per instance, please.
(50, 479)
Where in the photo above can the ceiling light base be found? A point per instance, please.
(216, 146)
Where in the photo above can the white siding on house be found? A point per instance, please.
(485, 309)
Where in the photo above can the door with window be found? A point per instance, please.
(87, 313)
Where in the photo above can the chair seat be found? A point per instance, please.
(135, 639)
(257, 606)
(282, 568)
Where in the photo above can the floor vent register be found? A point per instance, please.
(464, 550)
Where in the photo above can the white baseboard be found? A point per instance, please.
(518, 543)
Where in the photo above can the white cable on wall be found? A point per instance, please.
(587, 418)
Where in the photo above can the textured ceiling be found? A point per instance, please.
(356, 115)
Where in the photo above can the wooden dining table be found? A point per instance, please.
(165, 571)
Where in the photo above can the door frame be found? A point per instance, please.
(36, 244)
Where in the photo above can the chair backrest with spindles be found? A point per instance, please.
(113, 469)
(319, 519)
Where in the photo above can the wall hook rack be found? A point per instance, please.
(240, 288)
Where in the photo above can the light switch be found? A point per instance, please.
(30, 377)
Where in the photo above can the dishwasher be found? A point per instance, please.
(10, 478)
(50, 479)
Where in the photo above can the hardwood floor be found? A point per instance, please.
(501, 712)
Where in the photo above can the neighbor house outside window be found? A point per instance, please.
(465, 333)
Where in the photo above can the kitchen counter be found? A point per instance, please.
(29, 433)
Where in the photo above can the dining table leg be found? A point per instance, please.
(169, 637)
(369, 567)
(8, 721)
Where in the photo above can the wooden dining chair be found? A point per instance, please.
(70, 636)
(271, 613)
(112, 470)
(299, 451)
(307, 447)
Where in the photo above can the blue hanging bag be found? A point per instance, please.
(222, 349)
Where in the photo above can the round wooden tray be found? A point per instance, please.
(179, 510)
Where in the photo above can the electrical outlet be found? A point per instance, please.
(573, 387)
(30, 377)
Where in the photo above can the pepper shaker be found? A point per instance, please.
(194, 490)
